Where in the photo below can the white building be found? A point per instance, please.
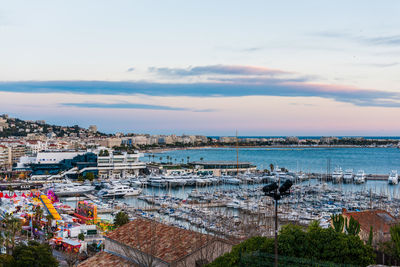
(115, 166)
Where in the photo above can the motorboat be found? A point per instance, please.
(119, 191)
(348, 176)
(337, 175)
(230, 180)
(360, 177)
(393, 177)
(157, 182)
(72, 189)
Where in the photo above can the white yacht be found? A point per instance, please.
(72, 189)
(348, 176)
(119, 191)
(157, 182)
(360, 177)
(393, 177)
(230, 180)
(337, 175)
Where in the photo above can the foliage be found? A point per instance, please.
(81, 236)
(314, 244)
(121, 218)
(34, 254)
(7, 260)
(104, 153)
(371, 236)
(89, 176)
(392, 247)
(352, 227)
(338, 222)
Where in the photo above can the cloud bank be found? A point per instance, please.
(223, 81)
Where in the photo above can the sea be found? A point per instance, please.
(377, 160)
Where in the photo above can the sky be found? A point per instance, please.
(312, 67)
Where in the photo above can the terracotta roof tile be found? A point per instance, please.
(105, 259)
(165, 242)
(380, 220)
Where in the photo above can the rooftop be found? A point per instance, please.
(165, 242)
(106, 259)
(380, 220)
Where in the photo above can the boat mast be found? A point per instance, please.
(237, 154)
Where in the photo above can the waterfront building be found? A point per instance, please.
(218, 168)
(119, 164)
(56, 162)
(144, 242)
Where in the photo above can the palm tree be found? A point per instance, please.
(271, 166)
(201, 159)
(49, 219)
(188, 158)
(13, 226)
(160, 159)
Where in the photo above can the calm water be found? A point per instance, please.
(371, 160)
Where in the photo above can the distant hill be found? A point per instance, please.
(17, 127)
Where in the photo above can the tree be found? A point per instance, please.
(271, 166)
(121, 218)
(188, 158)
(314, 244)
(89, 176)
(371, 236)
(352, 227)
(49, 219)
(81, 236)
(34, 254)
(201, 159)
(392, 247)
(13, 225)
(338, 222)
(7, 260)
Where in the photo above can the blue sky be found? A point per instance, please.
(208, 67)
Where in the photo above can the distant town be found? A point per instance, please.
(23, 137)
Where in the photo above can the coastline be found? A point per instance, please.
(166, 149)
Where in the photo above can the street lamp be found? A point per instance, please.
(276, 192)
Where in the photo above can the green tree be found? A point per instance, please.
(313, 244)
(7, 260)
(338, 222)
(81, 236)
(271, 166)
(34, 254)
(13, 226)
(121, 218)
(371, 236)
(352, 226)
(392, 247)
(89, 176)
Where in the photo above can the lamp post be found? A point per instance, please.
(276, 192)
